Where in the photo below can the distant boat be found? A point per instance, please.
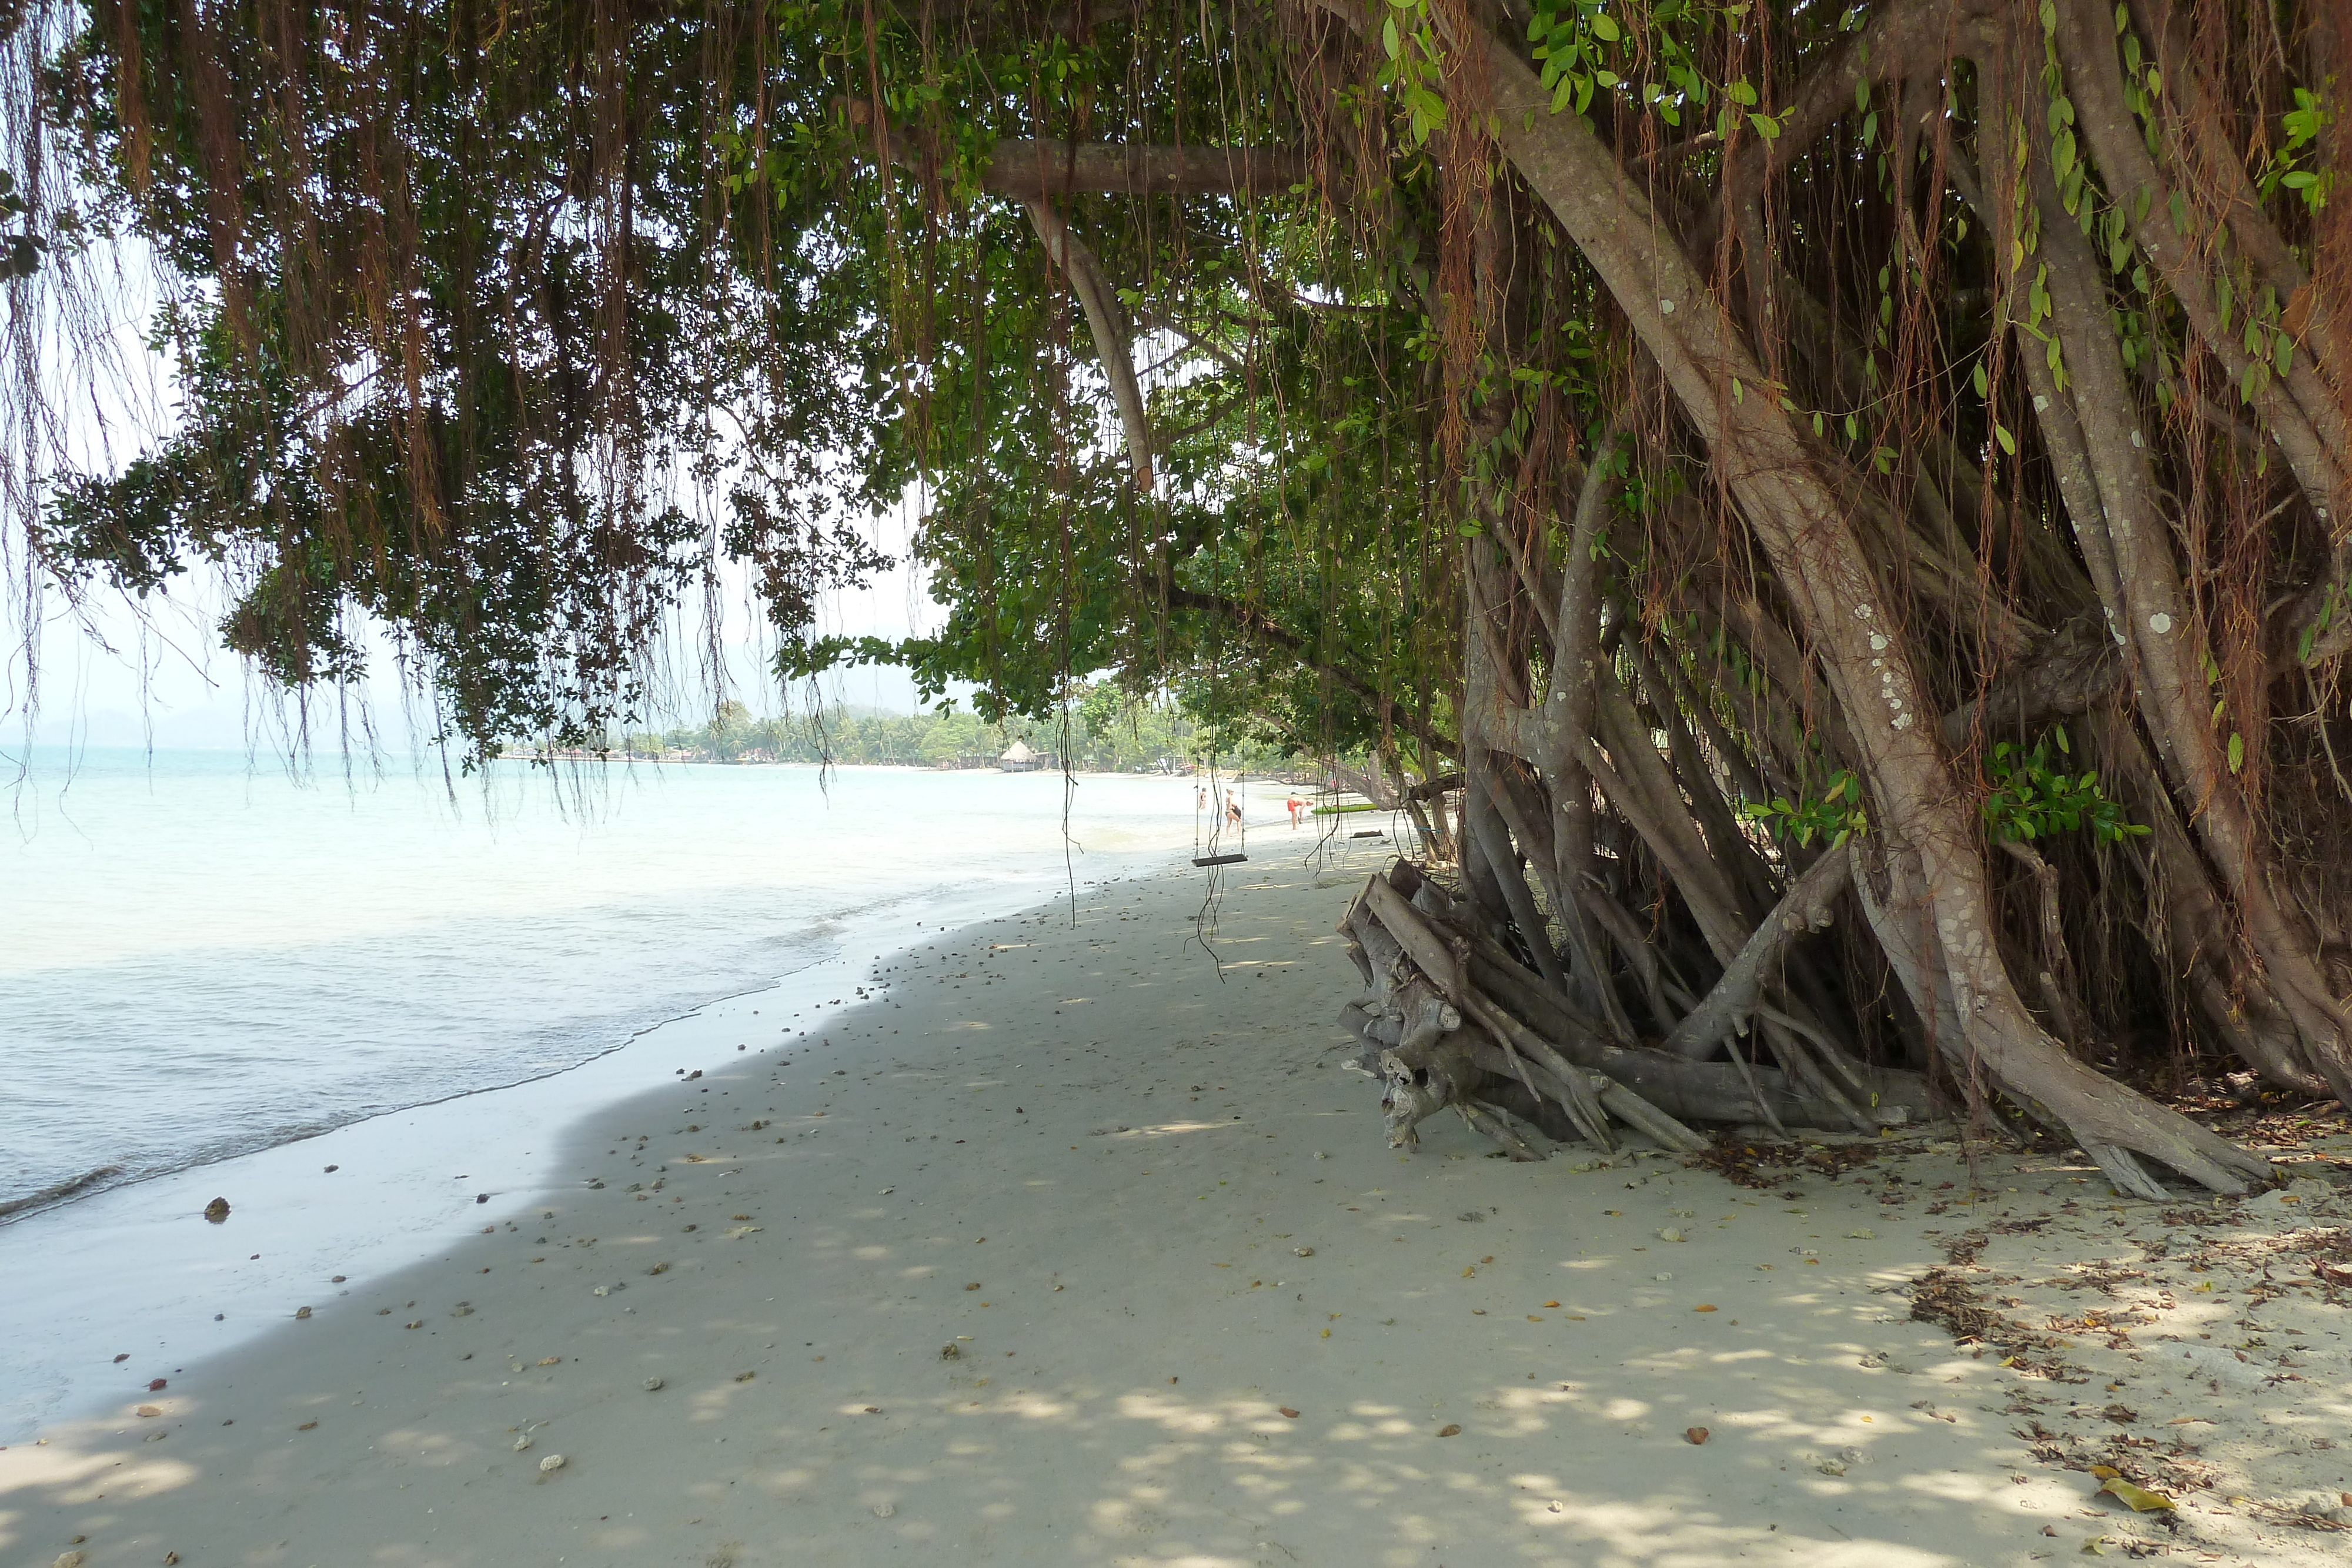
(1018, 758)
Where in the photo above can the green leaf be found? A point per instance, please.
(2236, 752)
(1605, 28)
(1766, 126)
(2008, 441)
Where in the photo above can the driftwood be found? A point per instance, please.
(1452, 1020)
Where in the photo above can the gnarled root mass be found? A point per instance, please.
(1452, 1018)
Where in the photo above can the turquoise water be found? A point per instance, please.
(200, 955)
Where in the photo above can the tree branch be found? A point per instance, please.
(1028, 169)
(1107, 321)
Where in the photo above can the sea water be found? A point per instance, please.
(203, 954)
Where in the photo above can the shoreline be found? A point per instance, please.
(387, 1206)
(1069, 1248)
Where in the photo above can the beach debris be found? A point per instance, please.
(872, 1409)
(217, 1210)
(1832, 1467)
(462, 1309)
(148, 1410)
(70, 1560)
(550, 1465)
(548, 1360)
(950, 1353)
(332, 1169)
(1705, 1307)
(415, 1324)
(122, 1358)
(336, 1279)
(885, 1509)
(2136, 1498)
(745, 1376)
(301, 1311)
(1670, 1233)
(157, 1385)
(308, 1426)
(973, 1286)
(1304, 1252)
(172, 1557)
(522, 1442)
(653, 1386)
(481, 1198)
(1287, 1411)
(1449, 1430)
(1695, 1435)
(658, 1269)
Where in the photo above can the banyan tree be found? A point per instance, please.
(1830, 517)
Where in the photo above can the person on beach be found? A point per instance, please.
(1298, 808)
(1233, 810)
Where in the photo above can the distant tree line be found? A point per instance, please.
(1107, 730)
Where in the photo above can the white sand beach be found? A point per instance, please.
(1067, 1248)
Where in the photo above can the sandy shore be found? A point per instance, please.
(1065, 1249)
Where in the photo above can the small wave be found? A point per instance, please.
(58, 1193)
